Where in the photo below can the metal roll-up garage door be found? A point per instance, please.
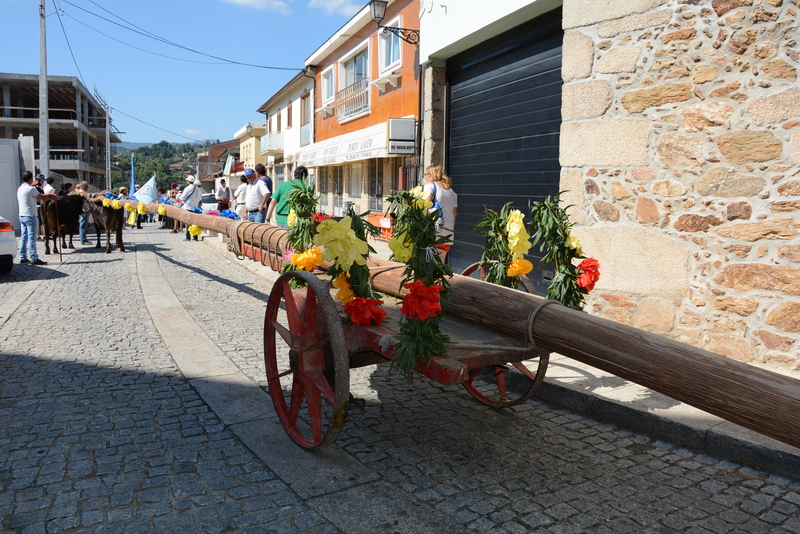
(503, 121)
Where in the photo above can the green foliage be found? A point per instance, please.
(155, 159)
(359, 276)
(304, 203)
(550, 226)
(497, 255)
(419, 341)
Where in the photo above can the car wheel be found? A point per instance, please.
(5, 267)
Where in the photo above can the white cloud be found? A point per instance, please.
(189, 131)
(341, 7)
(264, 5)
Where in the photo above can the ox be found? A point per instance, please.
(107, 220)
(60, 217)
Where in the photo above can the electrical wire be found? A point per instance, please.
(144, 33)
(68, 43)
(156, 127)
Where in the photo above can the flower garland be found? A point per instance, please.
(345, 244)
(140, 208)
(506, 243)
(195, 230)
(162, 210)
(414, 243)
(551, 227)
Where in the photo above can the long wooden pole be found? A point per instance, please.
(763, 401)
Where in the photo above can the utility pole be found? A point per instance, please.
(102, 100)
(44, 116)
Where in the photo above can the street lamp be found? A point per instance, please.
(249, 129)
(377, 9)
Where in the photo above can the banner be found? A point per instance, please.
(147, 193)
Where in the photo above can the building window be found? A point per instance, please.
(327, 86)
(289, 115)
(389, 48)
(355, 68)
(353, 99)
(305, 119)
(354, 180)
(278, 121)
(335, 174)
(278, 176)
(375, 184)
(322, 188)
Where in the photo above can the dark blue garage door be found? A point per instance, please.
(504, 116)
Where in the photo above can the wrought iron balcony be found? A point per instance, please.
(353, 100)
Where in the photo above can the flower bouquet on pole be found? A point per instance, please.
(507, 243)
(551, 228)
(302, 255)
(345, 243)
(414, 243)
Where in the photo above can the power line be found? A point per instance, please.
(68, 44)
(156, 127)
(166, 41)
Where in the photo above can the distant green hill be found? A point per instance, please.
(128, 145)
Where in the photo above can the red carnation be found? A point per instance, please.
(319, 217)
(590, 274)
(422, 302)
(364, 311)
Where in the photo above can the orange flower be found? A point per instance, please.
(590, 274)
(422, 302)
(345, 293)
(519, 267)
(364, 311)
(308, 260)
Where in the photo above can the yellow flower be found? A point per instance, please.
(140, 208)
(400, 247)
(195, 230)
(116, 205)
(341, 243)
(345, 294)
(128, 207)
(162, 210)
(519, 267)
(517, 235)
(106, 203)
(308, 260)
(574, 243)
(291, 218)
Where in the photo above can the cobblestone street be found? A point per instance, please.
(102, 432)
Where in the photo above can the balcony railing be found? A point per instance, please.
(352, 100)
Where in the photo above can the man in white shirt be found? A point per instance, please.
(238, 198)
(191, 199)
(48, 187)
(256, 198)
(27, 196)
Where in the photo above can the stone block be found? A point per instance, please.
(780, 68)
(726, 182)
(577, 56)
(572, 185)
(733, 347)
(744, 146)
(785, 205)
(796, 146)
(656, 315)
(738, 210)
(679, 150)
(634, 22)
(704, 73)
(585, 100)
(789, 189)
(692, 222)
(579, 13)
(775, 108)
(646, 210)
(783, 228)
(619, 60)
(606, 211)
(638, 101)
(774, 341)
(637, 260)
(725, 89)
(760, 277)
(705, 115)
(743, 306)
(686, 34)
(724, 6)
(604, 142)
(789, 251)
(785, 317)
(668, 188)
(741, 41)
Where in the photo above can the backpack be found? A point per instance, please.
(437, 207)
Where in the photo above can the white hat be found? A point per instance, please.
(190, 178)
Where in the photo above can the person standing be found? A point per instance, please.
(191, 199)
(256, 198)
(66, 189)
(239, 197)
(223, 196)
(48, 186)
(83, 219)
(439, 188)
(41, 186)
(27, 196)
(280, 200)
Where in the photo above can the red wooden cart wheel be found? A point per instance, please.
(309, 380)
(494, 390)
(524, 281)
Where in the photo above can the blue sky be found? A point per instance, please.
(193, 97)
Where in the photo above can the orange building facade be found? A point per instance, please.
(365, 112)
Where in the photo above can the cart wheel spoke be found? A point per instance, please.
(316, 359)
(499, 386)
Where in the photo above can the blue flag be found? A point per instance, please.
(132, 188)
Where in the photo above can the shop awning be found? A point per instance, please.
(368, 143)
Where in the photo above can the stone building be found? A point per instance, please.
(679, 147)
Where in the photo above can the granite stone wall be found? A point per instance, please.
(680, 148)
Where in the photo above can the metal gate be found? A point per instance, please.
(503, 122)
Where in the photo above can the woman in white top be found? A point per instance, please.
(439, 188)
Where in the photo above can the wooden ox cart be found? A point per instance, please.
(321, 352)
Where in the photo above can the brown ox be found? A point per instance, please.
(107, 220)
(60, 217)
